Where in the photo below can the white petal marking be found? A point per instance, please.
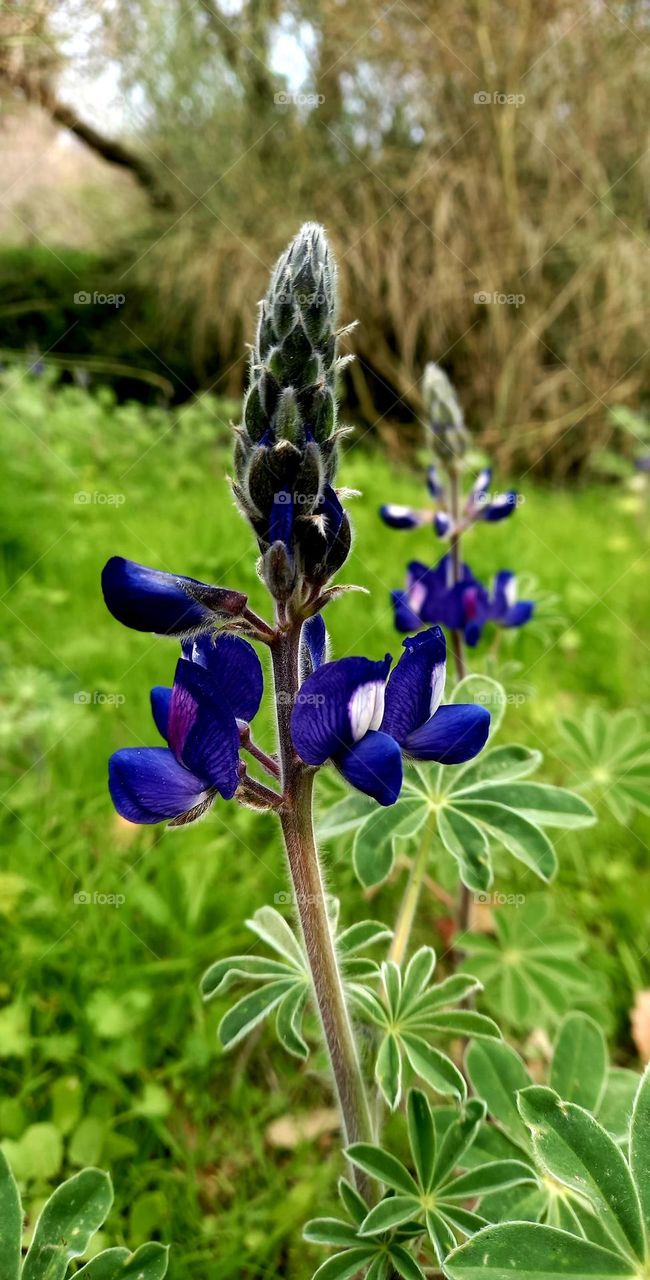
(438, 678)
(417, 596)
(366, 708)
(510, 591)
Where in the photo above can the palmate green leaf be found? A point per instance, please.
(373, 851)
(388, 1070)
(579, 1066)
(409, 1013)
(331, 1231)
(273, 929)
(383, 1166)
(640, 1147)
(497, 764)
(405, 1264)
(497, 1073)
(527, 842)
(284, 985)
(530, 1251)
(440, 1234)
(496, 1176)
(434, 1067)
(571, 1145)
(11, 1223)
(345, 816)
(541, 804)
(459, 1137)
(67, 1224)
(417, 974)
(344, 1265)
(353, 1203)
(106, 1266)
(468, 843)
(223, 975)
(610, 754)
(530, 968)
(289, 1021)
(252, 1009)
(366, 933)
(390, 1212)
(422, 1137)
(460, 1022)
(149, 1262)
(615, 1109)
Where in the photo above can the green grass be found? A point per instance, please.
(103, 1037)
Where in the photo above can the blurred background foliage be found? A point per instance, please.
(191, 170)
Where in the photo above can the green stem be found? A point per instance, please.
(464, 900)
(454, 550)
(311, 902)
(409, 903)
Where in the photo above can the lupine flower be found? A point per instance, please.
(286, 450)
(466, 606)
(217, 690)
(167, 603)
(347, 713)
(505, 608)
(479, 505)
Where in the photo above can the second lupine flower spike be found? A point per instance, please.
(285, 454)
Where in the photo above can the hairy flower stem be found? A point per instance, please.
(298, 831)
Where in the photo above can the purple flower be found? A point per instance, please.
(347, 713)
(432, 596)
(505, 608)
(217, 685)
(399, 517)
(480, 506)
(167, 603)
